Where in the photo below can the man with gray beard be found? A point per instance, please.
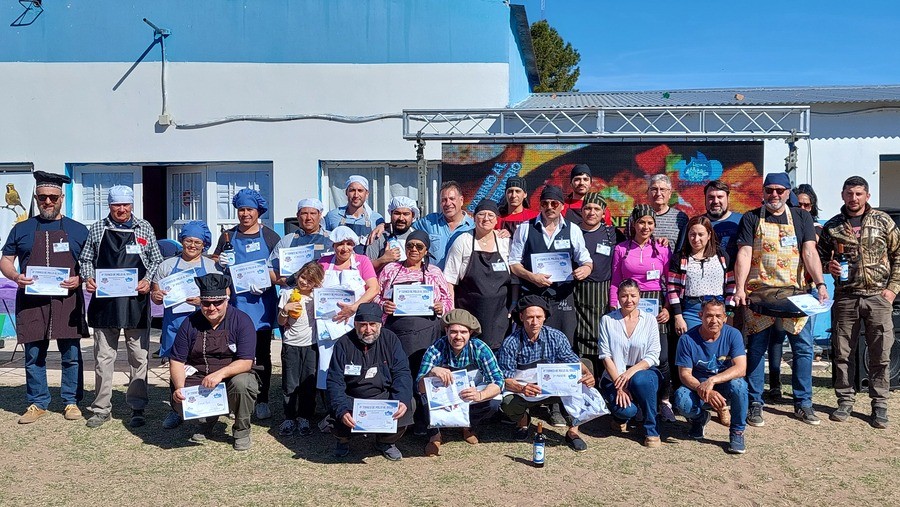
(48, 240)
(369, 363)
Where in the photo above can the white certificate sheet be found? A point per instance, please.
(810, 305)
(440, 396)
(179, 287)
(414, 300)
(556, 264)
(116, 283)
(245, 274)
(326, 299)
(559, 379)
(291, 259)
(650, 306)
(375, 416)
(46, 281)
(202, 401)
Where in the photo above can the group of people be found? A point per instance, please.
(673, 315)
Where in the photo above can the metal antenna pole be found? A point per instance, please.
(422, 175)
(790, 162)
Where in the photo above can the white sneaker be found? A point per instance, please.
(666, 412)
(262, 411)
(287, 428)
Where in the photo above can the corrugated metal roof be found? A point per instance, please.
(716, 97)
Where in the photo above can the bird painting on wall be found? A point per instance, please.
(13, 201)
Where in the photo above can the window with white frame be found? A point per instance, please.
(386, 180)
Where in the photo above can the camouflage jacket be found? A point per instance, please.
(874, 255)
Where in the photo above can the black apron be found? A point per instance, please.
(123, 312)
(416, 333)
(50, 317)
(485, 294)
(209, 353)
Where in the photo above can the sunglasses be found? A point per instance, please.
(47, 197)
(551, 204)
(217, 302)
(806, 205)
(415, 246)
(771, 190)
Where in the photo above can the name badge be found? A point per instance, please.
(371, 372)
(132, 249)
(253, 246)
(789, 240)
(498, 266)
(189, 370)
(352, 369)
(62, 246)
(559, 244)
(603, 249)
(318, 246)
(653, 274)
(232, 347)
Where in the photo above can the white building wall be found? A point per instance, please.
(69, 113)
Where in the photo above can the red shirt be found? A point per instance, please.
(510, 222)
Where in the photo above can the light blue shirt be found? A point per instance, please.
(334, 218)
(440, 235)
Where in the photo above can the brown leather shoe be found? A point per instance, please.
(32, 413)
(652, 442)
(617, 426)
(724, 416)
(433, 447)
(469, 436)
(72, 413)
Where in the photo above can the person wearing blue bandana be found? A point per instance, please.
(357, 214)
(195, 239)
(253, 241)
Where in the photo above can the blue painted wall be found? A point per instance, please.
(273, 31)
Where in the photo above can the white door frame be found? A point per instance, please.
(78, 171)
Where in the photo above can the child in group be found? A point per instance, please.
(299, 354)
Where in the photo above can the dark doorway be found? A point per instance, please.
(154, 178)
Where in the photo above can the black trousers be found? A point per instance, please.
(263, 366)
(299, 366)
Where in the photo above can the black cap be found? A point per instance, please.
(533, 300)
(517, 182)
(552, 192)
(487, 205)
(580, 169)
(45, 179)
(213, 285)
(368, 312)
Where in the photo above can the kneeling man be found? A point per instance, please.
(217, 344)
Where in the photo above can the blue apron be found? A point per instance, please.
(261, 309)
(171, 319)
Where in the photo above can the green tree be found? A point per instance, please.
(557, 60)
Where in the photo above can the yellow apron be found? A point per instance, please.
(775, 262)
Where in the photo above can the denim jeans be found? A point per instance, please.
(735, 392)
(71, 368)
(643, 387)
(801, 364)
(691, 312)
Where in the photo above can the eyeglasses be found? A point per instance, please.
(216, 302)
(192, 242)
(47, 197)
(415, 246)
(486, 215)
(550, 204)
(658, 190)
(806, 205)
(773, 190)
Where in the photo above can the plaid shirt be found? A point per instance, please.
(150, 254)
(551, 347)
(440, 354)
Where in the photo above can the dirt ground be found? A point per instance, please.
(58, 462)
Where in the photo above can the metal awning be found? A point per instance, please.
(574, 124)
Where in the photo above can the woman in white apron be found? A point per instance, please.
(195, 238)
(344, 270)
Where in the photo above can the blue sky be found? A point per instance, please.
(659, 45)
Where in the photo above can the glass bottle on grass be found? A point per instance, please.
(539, 440)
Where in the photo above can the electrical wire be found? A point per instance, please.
(294, 117)
(857, 111)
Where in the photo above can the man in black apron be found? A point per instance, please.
(48, 240)
(217, 344)
(120, 241)
(390, 246)
(369, 363)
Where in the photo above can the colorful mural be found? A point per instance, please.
(620, 171)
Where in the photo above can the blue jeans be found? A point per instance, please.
(643, 386)
(776, 351)
(801, 364)
(735, 392)
(691, 312)
(71, 366)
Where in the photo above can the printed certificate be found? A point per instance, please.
(440, 396)
(375, 416)
(291, 259)
(559, 379)
(179, 287)
(326, 299)
(556, 264)
(46, 281)
(245, 274)
(202, 401)
(116, 283)
(649, 306)
(414, 300)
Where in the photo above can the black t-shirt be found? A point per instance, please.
(269, 236)
(803, 225)
(856, 223)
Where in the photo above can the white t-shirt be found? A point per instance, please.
(299, 332)
(457, 260)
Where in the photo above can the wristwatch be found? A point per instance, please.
(820, 284)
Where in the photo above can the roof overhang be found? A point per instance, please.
(599, 123)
